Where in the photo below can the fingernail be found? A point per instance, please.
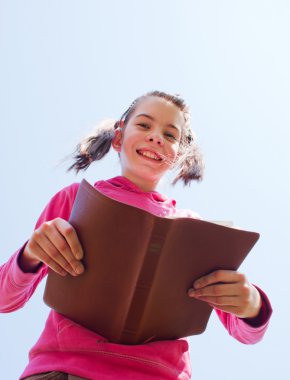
(79, 256)
(79, 269)
(191, 292)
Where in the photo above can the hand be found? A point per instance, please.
(228, 291)
(56, 244)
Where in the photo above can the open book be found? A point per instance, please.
(138, 268)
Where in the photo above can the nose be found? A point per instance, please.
(155, 138)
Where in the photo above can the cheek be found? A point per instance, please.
(127, 146)
(127, 150)
(174, 155)
(174, 150)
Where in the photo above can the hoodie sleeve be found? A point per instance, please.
(248, 330)
(16, 286)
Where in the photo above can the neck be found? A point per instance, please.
(141, 183)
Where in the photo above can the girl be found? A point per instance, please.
(152, 137)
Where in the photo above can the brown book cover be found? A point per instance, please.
(138, 268)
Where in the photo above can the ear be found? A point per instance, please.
(117, 140)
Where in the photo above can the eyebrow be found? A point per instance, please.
(152, 118)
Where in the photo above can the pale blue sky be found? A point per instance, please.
(65, 65)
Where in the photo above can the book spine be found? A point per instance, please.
(144, 283)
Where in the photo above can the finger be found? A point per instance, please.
(217, 290)
(70, 235)
(223, 276)
(37, 251)
(62, 252)
(220, 301)
(52, 254)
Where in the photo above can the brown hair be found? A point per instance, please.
(96, 145)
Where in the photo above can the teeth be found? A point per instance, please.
(150, 155)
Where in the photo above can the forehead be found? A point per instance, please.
(160, 109)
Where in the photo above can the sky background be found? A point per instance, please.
(66, 65)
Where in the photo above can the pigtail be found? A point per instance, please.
(191, 161)
(95, 146)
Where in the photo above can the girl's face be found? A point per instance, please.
(149, 143)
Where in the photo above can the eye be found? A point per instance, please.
(143, 125)
(170, 136)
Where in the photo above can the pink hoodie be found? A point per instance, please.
(68, 347)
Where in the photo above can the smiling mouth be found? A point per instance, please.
(150, 155)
